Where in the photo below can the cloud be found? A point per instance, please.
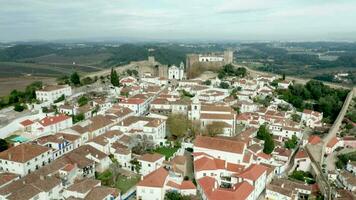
(174, 19)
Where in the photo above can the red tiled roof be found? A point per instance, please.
(155, 178)
(49, 120)
(253, 172)
(314, 139)
(239, 191)
(301, 154)
(151, 157)
(23, 152)
(185, 185)
(26, 122)
(220, 144)
(207, 163)
(264, 156)
(332, 142)
(132, 101)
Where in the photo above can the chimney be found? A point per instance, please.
(282, 186)
(10, 156)
(225, 164)
(41, 177)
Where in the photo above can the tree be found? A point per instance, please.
(296, 117)
(63, 80)
(178, 124)
(269, 144)
(114, 79)
(87, 80)
(174, 195)
(136, 164)
(262, 131)
(215, 128)
(224, 85)
(77, 118)
(291, 143)
(3, 145)
(19, 108)
(75, 79)
(207, 82)
(82, 101)
(59, 99)
(263, 134)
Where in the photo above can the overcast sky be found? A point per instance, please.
(178, 19)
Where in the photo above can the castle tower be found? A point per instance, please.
(196, 107)
(228, 56)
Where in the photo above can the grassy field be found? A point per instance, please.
(123, 184)
(166, 151)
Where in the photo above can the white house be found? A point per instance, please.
(53, 92)
(58, 143)
(24, 158)
(52, 124)
(154, 185)
(151, 187)
(153, 129)
(332, 145)
(229, 150)
(150, 162)
(284, 84)
(312, 118)
(176, 73)
(285, 189)
(255, 175)
(138, 105)
(302, 161)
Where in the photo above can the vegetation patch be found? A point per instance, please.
(167, 151)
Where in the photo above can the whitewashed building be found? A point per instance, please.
(53, 92)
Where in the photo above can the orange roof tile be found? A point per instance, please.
(219, 144)
(156, 178)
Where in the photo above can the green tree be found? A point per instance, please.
(291, 143)
(263, 134)
(207, 82)
(77, 118)
(3, 145)
(75, 78)
(19, 108)
(59, 99)
(224, 85)
(178, 124)
(136, 164)
(174, 195)
(82, 101)
(262, 131)
(114, 79)
(296, 117)
(269, 144)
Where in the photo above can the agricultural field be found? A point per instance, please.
(18, 69)
(7, 84)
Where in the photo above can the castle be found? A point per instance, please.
(212, 60)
